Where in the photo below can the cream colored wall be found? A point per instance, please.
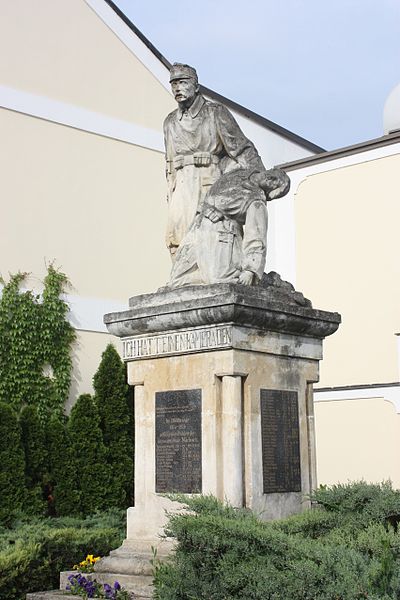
(94, 205)
(347, 254)
(63, 50)
(357, 439)
(87, 351)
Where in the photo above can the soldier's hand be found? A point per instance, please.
(246, 278)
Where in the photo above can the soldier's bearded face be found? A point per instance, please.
(184, 90)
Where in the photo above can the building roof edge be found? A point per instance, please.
(385, 140)
(264, 122)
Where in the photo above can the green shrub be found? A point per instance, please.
(35, 344)
(366, 501)
(12, 465)
(225, 554)
(313, 524)
(111, 397)
(21, 364)
(34, 552)
(63, 490)
(29, 528)
(224, 558)
(57, 337)
(33, 442)
(88, 456)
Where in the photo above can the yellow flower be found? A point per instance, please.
(86, 566)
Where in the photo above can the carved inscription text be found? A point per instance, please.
(178, 441)
(177, 342)
(280, 441)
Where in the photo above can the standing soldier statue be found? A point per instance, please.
(203, 143)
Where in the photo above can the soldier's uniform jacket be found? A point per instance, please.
(201, 143)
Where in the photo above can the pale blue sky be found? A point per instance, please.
(321, 68)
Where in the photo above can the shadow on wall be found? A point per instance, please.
(76, 376)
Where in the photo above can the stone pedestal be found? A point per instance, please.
(223, 380)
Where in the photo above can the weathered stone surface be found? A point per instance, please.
(264, 308)
(218, 189)
(57, 594)
(227, 240)
(201, 139)
(283, 289)
(52, 595)
(140, 586)
(231, 342)
(131, 566)
(64, 578)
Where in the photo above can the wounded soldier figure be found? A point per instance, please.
(227, 239)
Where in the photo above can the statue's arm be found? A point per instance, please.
(237, 145)
(170, 171)
(255, 238)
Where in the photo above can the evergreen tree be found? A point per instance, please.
(88, 455)
(115, 410)
(63, 495)
(12, 476)
(33, 442)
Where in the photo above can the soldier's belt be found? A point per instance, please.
(198, 159)
(211, 213)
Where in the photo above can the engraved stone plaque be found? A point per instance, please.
(280, 441)
(178, 441)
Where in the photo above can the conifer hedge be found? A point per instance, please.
(111, 398)
(12, 465)
(347, 548)
(63, 478)
(54, 464)
(36, 455)
(88, 455)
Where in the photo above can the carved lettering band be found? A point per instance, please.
(177, 342)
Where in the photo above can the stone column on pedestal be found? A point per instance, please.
(223, 380)
(232, 440)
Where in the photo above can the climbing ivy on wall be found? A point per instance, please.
(35, 344)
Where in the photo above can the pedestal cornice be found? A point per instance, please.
(262, 308)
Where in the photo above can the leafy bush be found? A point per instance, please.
(34, 552)
(35, 344)
(223, 553)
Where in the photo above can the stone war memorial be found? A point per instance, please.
(223, 357)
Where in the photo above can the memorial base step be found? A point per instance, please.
(51, 595)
